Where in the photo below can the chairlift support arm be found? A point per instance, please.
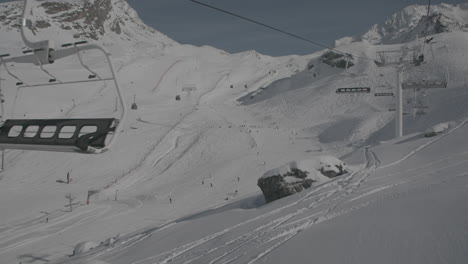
(4, 63)
(53, 78)
(84, 65)
(41, 48)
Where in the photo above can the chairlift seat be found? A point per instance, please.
(424, 85)
(67, 135)
(421, 107)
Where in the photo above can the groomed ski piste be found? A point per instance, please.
(180, 185)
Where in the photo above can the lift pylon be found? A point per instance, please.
(398, 59)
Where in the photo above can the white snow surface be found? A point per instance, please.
(439, 128)
(84, 246)
(180, 184)
(312, 166)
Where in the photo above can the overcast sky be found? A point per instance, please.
(319, 20)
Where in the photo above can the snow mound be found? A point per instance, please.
(83, 247)
(313, 166)
(437, 129)
(296, 176)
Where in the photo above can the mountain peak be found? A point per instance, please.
(410, 24)
(96, 20)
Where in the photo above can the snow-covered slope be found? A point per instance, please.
(410, 23)
(180, 185)
(387, 211)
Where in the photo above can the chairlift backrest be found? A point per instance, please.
(396, 57)
(425, 77)
(70, 135)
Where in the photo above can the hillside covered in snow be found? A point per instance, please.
(180, 185)
(410, 24)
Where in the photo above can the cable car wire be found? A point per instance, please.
(427, 25)
(278, 30)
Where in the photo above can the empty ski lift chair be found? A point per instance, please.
(425, 77)
(85, 135)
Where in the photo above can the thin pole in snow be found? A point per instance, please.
(399, 107)
(3, 159)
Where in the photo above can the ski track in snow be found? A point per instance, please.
(273, 234)
(164, 74)
(26, 234)
(426, 145)
(283, 229)
(140, 171)
(25, 237)
(272, 230)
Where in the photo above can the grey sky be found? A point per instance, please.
(319, 20)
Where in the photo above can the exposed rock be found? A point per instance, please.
(55, 7)
(333, 171)
(336, 60)
(42, 24)
(279, 186)
(412, 22)
(115, 26)
(296, 176)
(102, 21)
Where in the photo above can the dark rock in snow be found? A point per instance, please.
(296, 176)
(337, 60)
(279, 186)
(333, 171)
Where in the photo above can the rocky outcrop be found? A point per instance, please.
(333, 171)
(106, 21)
(412, 22)
(297, 176)
(337, 60)
(90, 18)
(279, 186)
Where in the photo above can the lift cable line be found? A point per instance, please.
(427, 25)
(277, 29)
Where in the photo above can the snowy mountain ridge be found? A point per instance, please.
(410, 24)
(104, 21)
